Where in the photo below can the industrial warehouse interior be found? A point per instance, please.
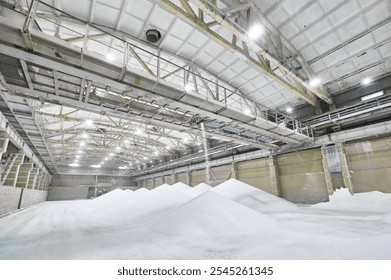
(195, 129)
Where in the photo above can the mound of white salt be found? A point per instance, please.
(148, 206)
(121, 203)
(252, 197)
(182, 187)
(211, 214)
(198, 190)
(165, 185)
(387, 218)
(366, 202)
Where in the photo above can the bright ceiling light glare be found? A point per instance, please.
(372, 95)
(85, 135)
(122, 167)
(156, 153)
(110, 57)
(95, 166)
(82, 144)
(74, 165)
(106, 158)
(89, 122)
(77, 156)
(289, 109)
(168, 147)
(247, 112)
(118, 148)
(79, 151)
(138, 131)
(111, 154)
(145, 158)
(126, 141)
(366, 81)
(188, 88)
(199, 143)
(185, 140)
(314, 82)
(101, 162)
(255, 32)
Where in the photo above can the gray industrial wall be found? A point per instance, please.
(63, 180)
(12, 199)
(370, 165)
(67, 193)
(301, 175)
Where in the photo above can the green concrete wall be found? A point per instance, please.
(255, 173)
(370, 165)
(198, 176)
(301, 176)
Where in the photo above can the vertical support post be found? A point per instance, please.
(234, 169)
(274, 176)
(96, 186)
(12, 176)
(326, 170)
(174, 177)
(347, 177)
(188, 176)
(207, 167)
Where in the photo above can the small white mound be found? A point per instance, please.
(252, 197)
(198, 190)
(181, 187)
(362, 202)
(165, 185)
(211, 214)
(110, 195)
(387, 218)
(148, 205)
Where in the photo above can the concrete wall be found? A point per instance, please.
(301, 176)
(67, 193)
(12, 198)
(255, 173)
(9, 199)
(61, 180)
(197, 177)
(31, 197)
(370, 165)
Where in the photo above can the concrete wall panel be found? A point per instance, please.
(31, 197)
(370, 165)
(301, 176)
(255, 173)
(9, 199)
(67, 193)
(198, 176)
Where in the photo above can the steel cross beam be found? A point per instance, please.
(265, 59)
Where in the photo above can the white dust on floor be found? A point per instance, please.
(231, 221)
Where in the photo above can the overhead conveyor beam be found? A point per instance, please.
(18, 141)
(265, 58)
(137, 84)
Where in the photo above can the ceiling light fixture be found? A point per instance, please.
(255, 31)
(85, 135)
(110, 57)
(289, 109)
(247, 111)
(366, 81)
(314, 82)
(73, 164)
(372, 95)
(188, 88)
(89, 122)
(95, 166)
(111, 154)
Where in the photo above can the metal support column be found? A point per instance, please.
(274, 176)
(326, 170)
(346, 174)
(207, 167)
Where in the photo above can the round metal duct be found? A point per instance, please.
(153, 35)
